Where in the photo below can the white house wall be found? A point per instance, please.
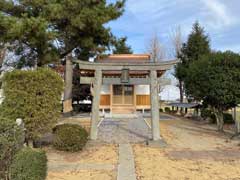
(142, 89)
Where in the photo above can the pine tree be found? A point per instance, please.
(196, 46)
(121, 47)
(43, 31)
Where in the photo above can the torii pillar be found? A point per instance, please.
(95, 104)
(154, 105)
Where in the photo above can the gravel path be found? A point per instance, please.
(123, 130)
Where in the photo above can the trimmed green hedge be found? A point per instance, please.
(228, 118)
(207, 113)
(167, 109)
(69, 137)
(29, 164)
(34, 96)
(11, 140)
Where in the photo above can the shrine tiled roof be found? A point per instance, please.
(125, 58)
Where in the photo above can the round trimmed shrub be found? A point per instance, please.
(167, 109)
(29, 164)
(69, 137)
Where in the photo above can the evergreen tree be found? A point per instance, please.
(42, 31)
(214, 79)
(196, 46)
(121, 47)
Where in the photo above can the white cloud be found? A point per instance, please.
(232, 47)
(218, 15)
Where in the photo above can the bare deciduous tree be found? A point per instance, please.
(176, 37)
(155, 48)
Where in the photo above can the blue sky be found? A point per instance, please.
(143, 18)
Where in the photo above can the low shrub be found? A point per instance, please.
(173, 111)
(29, 164)
(167, 109)
(228, 118)
(69, 137)
(11, 140)
(206, 113)
(161, 110)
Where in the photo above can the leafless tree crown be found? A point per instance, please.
(155, 48)
(176, 36)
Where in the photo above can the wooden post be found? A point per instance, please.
(237, 123)
(95, 104)
(111, 98)
(154, 105)
(67, 103)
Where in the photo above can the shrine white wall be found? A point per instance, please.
(142, 89)
(105, 89)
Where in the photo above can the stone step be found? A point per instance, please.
(121, 115)
(123, 110)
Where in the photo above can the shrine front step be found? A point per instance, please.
(123, 110)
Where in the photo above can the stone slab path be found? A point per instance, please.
(123, 130)
(126, 167)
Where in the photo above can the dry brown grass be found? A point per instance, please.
(195, 152)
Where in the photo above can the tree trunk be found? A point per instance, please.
(181, 94)
(219, 118)
(67, 104)
(2, 55)
(181, 91)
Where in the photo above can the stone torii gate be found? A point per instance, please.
(154, 69)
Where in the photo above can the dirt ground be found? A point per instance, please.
(94, 162)
(81, 175)
(195, 151)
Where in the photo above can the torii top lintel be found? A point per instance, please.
(162, 66)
